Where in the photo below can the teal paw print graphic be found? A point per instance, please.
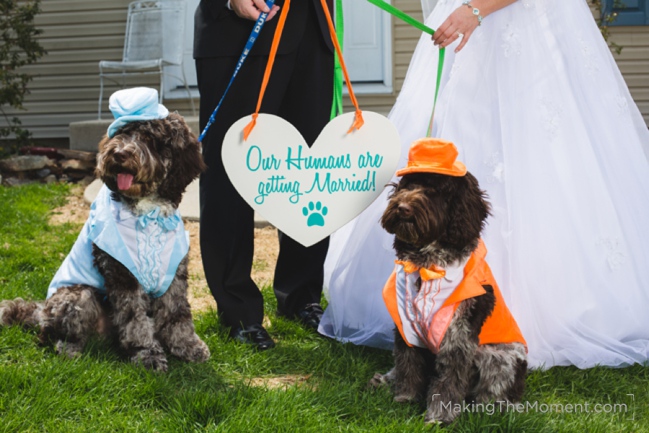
(316, 213)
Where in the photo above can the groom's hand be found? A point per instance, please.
(251, 9)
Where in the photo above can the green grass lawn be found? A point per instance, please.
(234, 391)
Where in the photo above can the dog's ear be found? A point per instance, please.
(99, 173)
(468, 210)
(394, 186)
(186, 159)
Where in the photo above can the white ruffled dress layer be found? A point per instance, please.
(542, 117)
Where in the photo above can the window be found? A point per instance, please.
(631, 13)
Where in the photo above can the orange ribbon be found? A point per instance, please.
(358, 118)
(269, 67)
(426, 274)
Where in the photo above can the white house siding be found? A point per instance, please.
(79, 33)
(634, 63)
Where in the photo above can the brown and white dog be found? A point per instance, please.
(455, 340)
(146, 166)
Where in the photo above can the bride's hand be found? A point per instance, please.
(461, 23)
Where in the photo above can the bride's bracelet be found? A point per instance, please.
(476, 11)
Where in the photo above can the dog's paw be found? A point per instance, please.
(378, 381)
(405, 398)
(438, 414)
(382, 379)
(191, 350)
(20, 311)
(198, 353)
(430, 420)
(151, 359)
(5, 306)
(71, 350)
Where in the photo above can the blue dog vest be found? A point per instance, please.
(150, 246)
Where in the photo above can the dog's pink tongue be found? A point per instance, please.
(124, 181)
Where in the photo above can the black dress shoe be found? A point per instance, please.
(254, 335)
(310, 316)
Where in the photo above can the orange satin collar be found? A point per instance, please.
(432, 273)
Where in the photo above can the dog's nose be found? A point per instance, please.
(120, 157)
(405, 210)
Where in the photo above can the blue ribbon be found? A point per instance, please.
(246, 50)
(167, 223)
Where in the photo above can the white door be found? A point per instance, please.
(364, 42)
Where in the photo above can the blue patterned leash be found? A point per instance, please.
(246, 50)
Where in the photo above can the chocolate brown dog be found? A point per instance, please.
(126, 275)
(455, 339)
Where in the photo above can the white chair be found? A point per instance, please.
(154, 39)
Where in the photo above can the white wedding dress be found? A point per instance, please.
(542, 117)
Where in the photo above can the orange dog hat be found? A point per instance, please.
(433, 155)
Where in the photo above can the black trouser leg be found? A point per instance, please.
(300, 90)
(298, 274)
(307, 105)
(227, 222)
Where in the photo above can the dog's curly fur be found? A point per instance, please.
(437, 220)
(164, 157)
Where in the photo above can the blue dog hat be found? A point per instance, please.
(132, 105)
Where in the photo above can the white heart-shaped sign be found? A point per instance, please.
(308, 193)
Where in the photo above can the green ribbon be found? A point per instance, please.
(337, 105)
(424, 28)
(402, 16)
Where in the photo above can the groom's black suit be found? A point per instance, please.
(300, 90)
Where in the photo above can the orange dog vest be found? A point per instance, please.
(426, 323)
